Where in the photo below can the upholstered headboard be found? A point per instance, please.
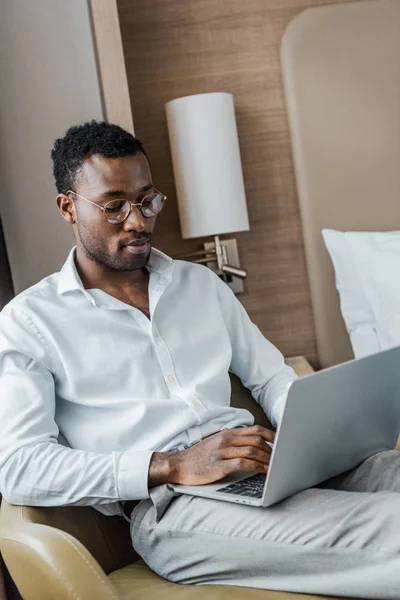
(341, 68)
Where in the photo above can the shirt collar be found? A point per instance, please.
(69, 279)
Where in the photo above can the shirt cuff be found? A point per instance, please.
(133, 474)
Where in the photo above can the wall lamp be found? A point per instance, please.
(208, 177)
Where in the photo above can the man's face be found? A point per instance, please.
(101, 180)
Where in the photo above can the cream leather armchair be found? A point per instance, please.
(76, 552)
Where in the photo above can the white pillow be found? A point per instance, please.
(367, 271)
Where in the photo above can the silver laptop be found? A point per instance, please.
(333, 420)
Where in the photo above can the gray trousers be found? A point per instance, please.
(341, 538)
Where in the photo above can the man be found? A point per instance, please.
(114, 381)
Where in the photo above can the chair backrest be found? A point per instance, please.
(106, 538)
(6, 285)
(242, 398)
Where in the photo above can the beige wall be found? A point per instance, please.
(178, 48)
(48, 81)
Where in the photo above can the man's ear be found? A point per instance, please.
(67, 208)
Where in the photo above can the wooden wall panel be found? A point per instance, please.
(175, 48)
(110, 63)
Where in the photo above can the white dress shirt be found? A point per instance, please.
(90, 387)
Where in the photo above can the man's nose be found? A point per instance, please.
(135, 220)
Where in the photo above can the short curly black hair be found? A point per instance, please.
(82, 141)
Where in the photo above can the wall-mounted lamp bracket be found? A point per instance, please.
(222, 257)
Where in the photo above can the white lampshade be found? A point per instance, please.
(207, 168)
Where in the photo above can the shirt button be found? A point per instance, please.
(195, 403)
(170, 378)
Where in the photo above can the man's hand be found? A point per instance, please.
(240, 449)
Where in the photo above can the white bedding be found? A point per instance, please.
(367, 272)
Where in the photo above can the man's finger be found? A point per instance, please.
(244, 464)
(247, 452)
(257, 441)
(266, 434)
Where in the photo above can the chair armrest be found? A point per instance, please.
(46, 562)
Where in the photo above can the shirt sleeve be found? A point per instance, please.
(34, 468)
(258, 363)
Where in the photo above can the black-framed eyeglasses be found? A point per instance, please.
(116, 211)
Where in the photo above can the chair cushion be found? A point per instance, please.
(138, 581)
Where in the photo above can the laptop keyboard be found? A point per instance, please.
(252, 486)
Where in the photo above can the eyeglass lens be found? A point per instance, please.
(117, 210)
